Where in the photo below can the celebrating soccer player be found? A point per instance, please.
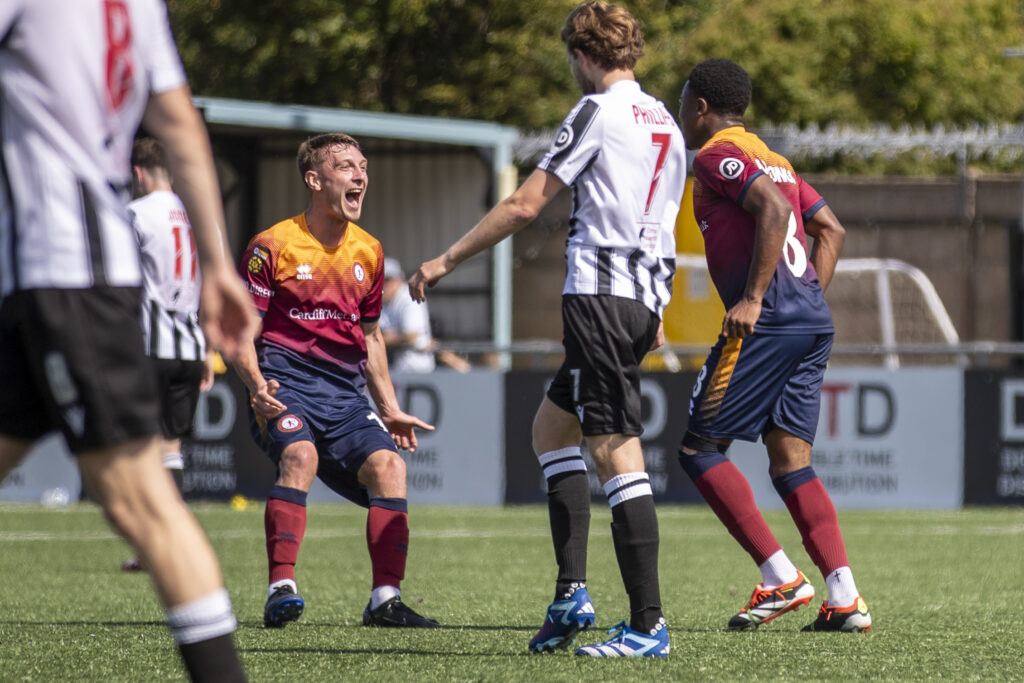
(317, 279)
(622, 154)
(763, 377)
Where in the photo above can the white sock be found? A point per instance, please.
(842, 591)
(174, 461)
(382, 594)
(277, 584)
(204, 619)
(777, 570)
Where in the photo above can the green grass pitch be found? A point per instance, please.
(945, 591)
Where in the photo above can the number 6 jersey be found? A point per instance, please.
(723, 170)
(624, 157)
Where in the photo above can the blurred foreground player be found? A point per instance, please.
(182, 364)
(622, 154)
(763, 377)
(76, 78)
(317, 278)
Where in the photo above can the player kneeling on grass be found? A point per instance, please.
(317, 279)
(763, 377)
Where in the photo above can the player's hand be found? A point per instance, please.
(428, 275)
(206, 381)
(264, 403)
(227, 314)
(740, 319)
(659, 338)
(402, 427)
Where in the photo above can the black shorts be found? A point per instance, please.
(73, 361)
(177, 384)
(605, 338)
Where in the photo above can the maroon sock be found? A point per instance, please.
(285, 523)
(728, 493)
(815, 516)
(387, 538)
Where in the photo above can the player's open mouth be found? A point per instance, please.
(354, 196)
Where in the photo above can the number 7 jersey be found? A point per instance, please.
(723, 171)
(623, 155)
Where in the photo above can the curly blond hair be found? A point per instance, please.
(608, 34)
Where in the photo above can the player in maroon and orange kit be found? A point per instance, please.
(317, 279)
(763, 377)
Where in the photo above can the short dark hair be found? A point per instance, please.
(149, 153)
(723, 84)
(311, 152)
(608, 34)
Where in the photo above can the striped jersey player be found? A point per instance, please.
(66, 177)
(171, 278)
(77, 77)
(623, 156)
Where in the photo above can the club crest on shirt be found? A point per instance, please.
(358, 272)
(257, 260)
(288, 424)
(564, 138)
(730, 168)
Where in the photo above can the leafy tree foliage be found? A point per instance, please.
(917, 62)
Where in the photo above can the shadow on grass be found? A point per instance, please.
(258, 625)
(129, 624)
(382, 651)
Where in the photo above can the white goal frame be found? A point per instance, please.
(882, 268)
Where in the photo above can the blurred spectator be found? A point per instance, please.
(406, 328)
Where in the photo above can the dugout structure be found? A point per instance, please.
(431, 179)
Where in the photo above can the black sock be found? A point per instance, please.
(179, 479)
(635, 534)
(214, 660)
(569, 514)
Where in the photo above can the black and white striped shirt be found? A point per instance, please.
(75, 77)
(170, 277)
(623, 155)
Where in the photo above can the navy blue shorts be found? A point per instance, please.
(747, 386)
(345, 434)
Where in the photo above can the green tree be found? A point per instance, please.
(917, 62)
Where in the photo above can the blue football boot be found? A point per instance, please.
(565, 619)
(629, 643)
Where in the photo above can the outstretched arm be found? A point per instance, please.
(507, 217)
(227, 313)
